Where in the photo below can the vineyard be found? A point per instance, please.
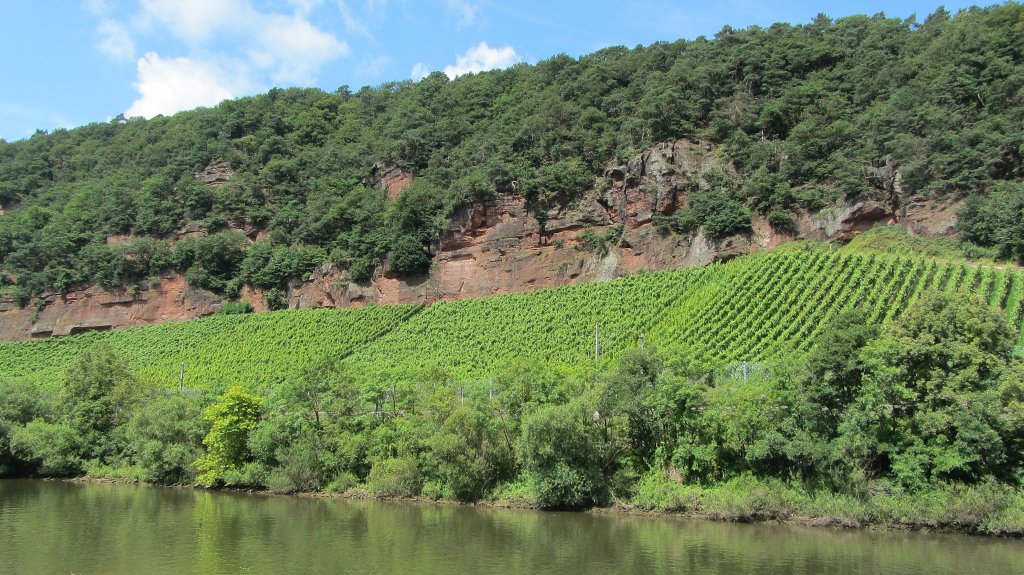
(755, 308)
(752, 309)
(254, 349)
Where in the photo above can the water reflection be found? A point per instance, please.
(55, 527)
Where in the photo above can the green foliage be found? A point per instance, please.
(930, 409)
(271, 267)
(396, 477)
(96, 398)
(995, 220)
(19, 404)
(165, 437)
(835, 369)
(409, 257)
(463, 456)
(211, 262)
(235, 308)
(600, 243)
(54, 449)
(560, 452)
(718, 215)
(232, 417)
(895, 240)
(807, 114)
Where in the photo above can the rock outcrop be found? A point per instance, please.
(168, 299)
(499, 247)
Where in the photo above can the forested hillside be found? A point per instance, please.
(806, 114)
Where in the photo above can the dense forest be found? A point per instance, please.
(861, 106)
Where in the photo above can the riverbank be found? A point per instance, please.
(66, 527)
(989, 509)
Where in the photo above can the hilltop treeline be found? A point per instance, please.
(863, 105)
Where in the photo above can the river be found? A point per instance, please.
(61, 527)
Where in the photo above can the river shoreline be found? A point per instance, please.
(618, 508)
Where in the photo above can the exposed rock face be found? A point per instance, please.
(499, 247)
(216, 175)
(930, 218)
(96, 309)
(390, 178)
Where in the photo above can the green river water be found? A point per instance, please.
(58, 527)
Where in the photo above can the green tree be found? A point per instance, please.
(19, 404)
(165, 437)
(930, 407)
(561, 454)
(232, 418)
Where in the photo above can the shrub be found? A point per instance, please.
(560, 455)
(717, 213)
(235, 308)
(395, 477)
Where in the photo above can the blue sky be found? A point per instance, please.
(72, 62)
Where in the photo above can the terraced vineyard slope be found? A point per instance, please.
(752, 309)
(254, 350)
(755, 308)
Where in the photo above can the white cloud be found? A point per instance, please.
(465, 10)
(353, 25)
(294, 48)
(288, 48)
(419, 71)
(115, 41)
(375, 66)
(480, 58)
(304, 7)
(169, 85)
(197, 20)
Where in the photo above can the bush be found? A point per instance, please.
(210, 262)
(232, 419)
(717, 213)
(164, 437)
(781, 221)
(301, 466)
(342, 482)
(19, 404)
(396, 477)
(235, 308)
(996, 220)
(657, 491)
(560, 454)
(409, 257)
(53, 448)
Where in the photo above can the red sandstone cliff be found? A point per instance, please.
(496, 247)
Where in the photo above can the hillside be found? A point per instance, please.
(757, 309)
(673, 154)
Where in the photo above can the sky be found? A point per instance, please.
(65, 63)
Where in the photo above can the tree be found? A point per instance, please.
(98, 396)
(232, 417)
(560, 452)
(19, 404)
(164, 437)
(930, 409)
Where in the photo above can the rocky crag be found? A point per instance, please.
(498, 247)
